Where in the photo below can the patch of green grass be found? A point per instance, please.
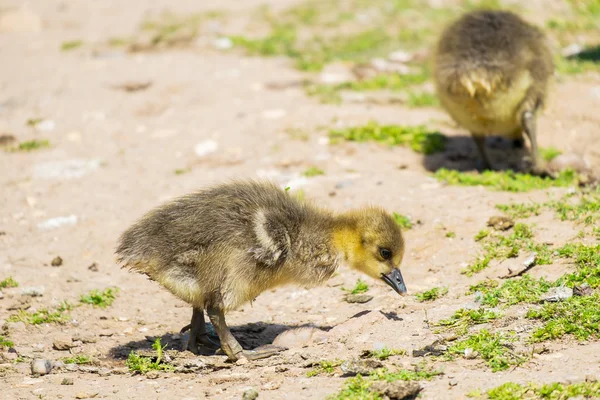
(418, 138)
(100, 299)
(141, 364)
(495, 348)
(313, 171)
(520, 210)
(462, 319)
(422, 99)
(31, 145)
(324, 367)
(506, 180)
(79, 359)
(71, 45)
(386, 353)
(587, 263)
(550, 391)
(482, 234)
(549, 153)
(4, 342)
(360, 287)
(432, 294)
(586, 210)
(450, 235)
(8, 283)
(402, 220)
(357, 388)
(512, 291)
(43, 316)
(577, 316)
(502, 246)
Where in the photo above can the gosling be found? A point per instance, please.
(221, 247)
(491, 72)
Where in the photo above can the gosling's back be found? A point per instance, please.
(488, 67)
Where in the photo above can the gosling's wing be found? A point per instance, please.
(272, 238)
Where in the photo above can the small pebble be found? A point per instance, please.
(93, 267)
(471, 354)
(250, 394)
(152, 374)
(33, 291)
(41, 367)
(57, 261)
(358, 298)
(67, 381)
(557, 294)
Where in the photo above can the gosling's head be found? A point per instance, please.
(372, 242)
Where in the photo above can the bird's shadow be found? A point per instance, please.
(591, 54)
(250, 336)
(460, 154)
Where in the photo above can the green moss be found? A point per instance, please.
(512, 291)
(418, 138)
(494, 348)
(549, 153)
(360, 287)
(31, 145)
(313, 171)
(324, 367)
(386, 353)
(501, 246)
(142, 364)
(8, 283)
(450, 235)
(587, 263)
(520, 210)
(71, 45)
(431, 294)
(482, 234)
(506, 180)
(577, 316)
(402, 220)
(462, 319)
(4, 342)
(79, 359)
(550, 391)
(100, 299)
(586, 210)
(43, 316)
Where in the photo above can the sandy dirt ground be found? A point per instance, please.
(113, 155)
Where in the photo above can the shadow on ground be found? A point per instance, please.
(591, 54)
(461, 154)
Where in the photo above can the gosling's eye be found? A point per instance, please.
(385, 254)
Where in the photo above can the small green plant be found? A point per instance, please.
(549, 153)
(419, 138)
(43, 316)
(386, 353)
(313, 171)
(492, 347)
(324, 367)
(587, 263)
(550, 391)
(181, 171)
(482, 234)
(506, 180)
(450, 235)
(71, 45)
(79, 359)
(31, 145)
(360, 287)
(4, 342)
(8, 283)
(422, 99)
(520, 210)
(142, 364)
(432, 294)
(402, 220)
(100, 299)
(577, 316)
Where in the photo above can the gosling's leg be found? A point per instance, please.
(480, 143)
(528, 123)
(230, 345)
(198, 334)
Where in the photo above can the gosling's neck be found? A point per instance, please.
(346, 238)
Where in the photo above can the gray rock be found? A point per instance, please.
(71, 367)
(436, 348)
(41, 367)
(105, 372)
(471, 354)
(33, 291)
(152, 374)
(501, 223)
(358, 298)
(357, 366)
(250, 394)
(67, 381)
(557, 294)
(397, 390)
(63, 344)
(582, 290)
(58, 365)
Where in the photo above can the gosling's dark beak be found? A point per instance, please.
(394, 279)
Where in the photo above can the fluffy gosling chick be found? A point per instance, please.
(221, 247)
(491, 72)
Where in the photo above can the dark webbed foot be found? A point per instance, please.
(199, 341)
(518, 143)
(484, 162)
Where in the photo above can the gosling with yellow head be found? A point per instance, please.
(491, 72)
(222, 246)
